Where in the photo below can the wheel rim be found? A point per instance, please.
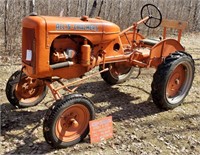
(119, 70)
(29, 90)
(72, 123)
(179, 83)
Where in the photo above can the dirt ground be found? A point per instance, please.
(139, 126)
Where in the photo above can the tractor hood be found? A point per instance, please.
(94, 29)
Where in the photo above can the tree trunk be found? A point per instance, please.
(94, 6)
(67, 9)
(32, 6)
(100, 8)
(5, 24)
(195, 15)
(86, 7)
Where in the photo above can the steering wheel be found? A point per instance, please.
(154, 14)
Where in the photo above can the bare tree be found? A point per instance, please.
(121, 12)
(5, 23)
(196, 15)
(94, 6)
(32, 6)
(100, 9)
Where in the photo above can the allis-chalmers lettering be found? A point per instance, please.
(81, 27)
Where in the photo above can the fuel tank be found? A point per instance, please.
(94, 29)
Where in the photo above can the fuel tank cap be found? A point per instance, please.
(33, 14)
(98, 17)
(84, 18)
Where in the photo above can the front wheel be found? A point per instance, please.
(173, 80)
(23, 91)
(117, 73)
(67, 121)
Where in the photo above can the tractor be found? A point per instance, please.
(58, 51)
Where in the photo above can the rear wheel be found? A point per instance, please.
(173, 80)
(67, 122)
(117, 73)
(23, 91)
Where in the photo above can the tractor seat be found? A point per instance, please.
(150, 42)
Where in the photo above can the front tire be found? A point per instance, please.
(24, 92)
(67, 121)
(117, 73)
(173, 80)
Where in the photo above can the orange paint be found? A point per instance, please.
(72, 123)
(29, 90)
(68, 47)
(176, 81)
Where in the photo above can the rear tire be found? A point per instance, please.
(67, 121)
(19, 94)
(117, 73)
(173, 80)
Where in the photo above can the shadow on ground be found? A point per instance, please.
(19, 127)
(20, 119)
(117, 99)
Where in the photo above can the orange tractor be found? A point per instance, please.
(56, 48)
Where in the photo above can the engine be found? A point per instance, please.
(69, 50)
(62, 56)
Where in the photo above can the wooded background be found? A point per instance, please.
(121, 12)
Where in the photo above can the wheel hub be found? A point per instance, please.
(28, 89)
(72, 123)
(176, 81)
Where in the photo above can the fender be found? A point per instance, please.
(162, 50)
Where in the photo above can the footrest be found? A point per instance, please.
(150, 42)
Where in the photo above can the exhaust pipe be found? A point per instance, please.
(61, 65)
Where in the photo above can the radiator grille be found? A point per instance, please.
(28, 46)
